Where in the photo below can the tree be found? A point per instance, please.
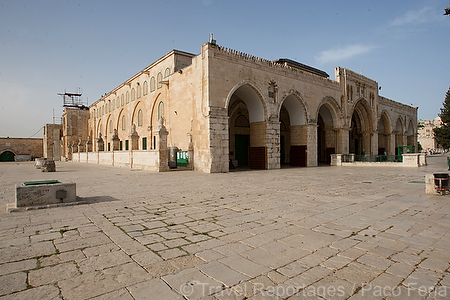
(442, 134)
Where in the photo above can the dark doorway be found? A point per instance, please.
(7, 156)
(242, 143)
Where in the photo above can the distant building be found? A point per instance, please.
(226, 108)
(426, 135)
(20, 149)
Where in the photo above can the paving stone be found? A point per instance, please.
(92, 284)
(161, 268)
(14, 267)
(104, 261)
(176, 242)
(193, 284)
(222, 273)
(99, 250)
(375, 261)
(48, 292)
(146, 258)
(13, 282)
(186, 262)
(21, 252)
(422, 278)
(434, 264)
(265, 258)
(358, 273)
(336, 262)
(308, 277)
(153, 288)
(293, 269)
(244, 266)
(121, 294)
(171, 253)
(53, 274)
(232, 248)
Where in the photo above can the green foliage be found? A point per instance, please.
(419, 147)
(442, 134)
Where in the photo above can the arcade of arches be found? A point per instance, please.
(249, 130)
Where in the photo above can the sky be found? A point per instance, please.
(55, 46)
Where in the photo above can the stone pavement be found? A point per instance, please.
(294, 233)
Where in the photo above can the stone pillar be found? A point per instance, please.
(218, 142)
(161, 136)
(342, 136)
(312, 145)
(374, 143)
(392, 139)
(366, 147)
(74, 147)
(115, 141)
(89, 144)
(273, 143)
(190, 152)
(80, 146)
(134, 137)
(100, 143)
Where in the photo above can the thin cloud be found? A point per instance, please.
(340, 54)
(425, 15)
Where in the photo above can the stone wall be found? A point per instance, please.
(32, 147)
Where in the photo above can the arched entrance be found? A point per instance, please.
(7, 156)
(361, 130)
(326, 136)
(384, 135)
(247, 129)
(293, 132)
(410, 136)
(398, 136)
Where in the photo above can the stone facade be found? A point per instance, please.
(52, 141)
(426, 135)
(225, 106)
(14, 149)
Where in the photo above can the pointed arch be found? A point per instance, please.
(296, 106)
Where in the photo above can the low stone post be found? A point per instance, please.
(134, 137)
(161, 146)
(115, 141)
(80, 146)
(100, 143)
(89, 144)
(190, 152)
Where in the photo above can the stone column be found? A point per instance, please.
(134, 137)
(218, 141)
(80, 146)
(392, 138)
(115, 141)
(311, 147)
(273, 143)
(374, 143)
(343, 136)
(191, 152)
(161, 136)
(89, 144)
(367, 138)
(100, 143)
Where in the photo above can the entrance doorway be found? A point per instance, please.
(7, 156)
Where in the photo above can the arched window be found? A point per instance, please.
(139, 117)
(121, 100)
(152, 84)
(110, 126)
(138, 91)
(166, 73)
(127, 98)
(158, 80)
(109, 105)
(114, 104)
(241, 121)
(123, 123)
(160, 110)
(145, 88)
(133, 94)
(103, 110)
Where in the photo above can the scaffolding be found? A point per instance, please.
(74, 100)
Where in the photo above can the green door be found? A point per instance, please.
(241, 148)
(7, 156)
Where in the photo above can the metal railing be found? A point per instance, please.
(379, 158)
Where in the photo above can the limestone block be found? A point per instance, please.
(48, 166)
(44, 194)
(429, 184)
